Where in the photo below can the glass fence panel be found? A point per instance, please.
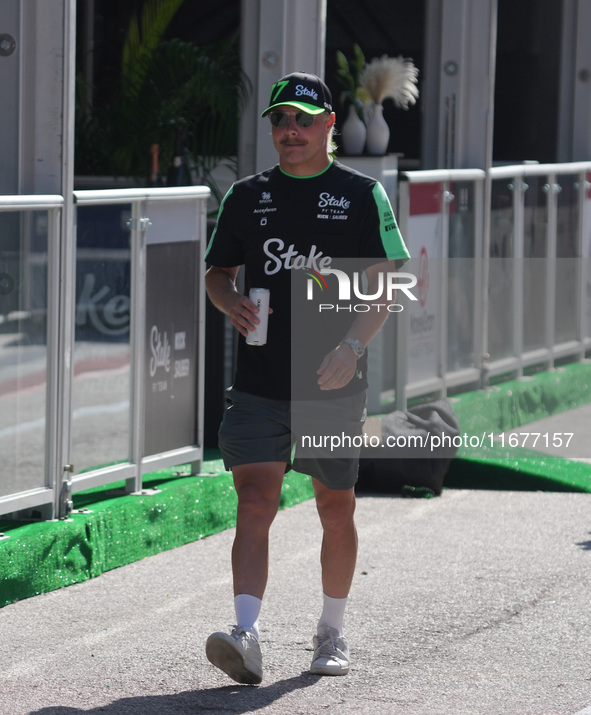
(567, 260)
(535, 264)
(424, 241)
(501, 294)
(426, 249)
(461, 277)
(23, 350)
(101, 389)
(385, 344)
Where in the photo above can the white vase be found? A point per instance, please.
(378, 131)
(353, 133)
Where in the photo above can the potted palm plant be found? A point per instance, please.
(174, 95)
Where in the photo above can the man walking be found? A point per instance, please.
(305, 213)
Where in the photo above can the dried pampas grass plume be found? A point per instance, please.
(391, 77)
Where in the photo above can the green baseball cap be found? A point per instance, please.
(306, 92)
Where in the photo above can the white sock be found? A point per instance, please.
(333, 613)
(247, 609)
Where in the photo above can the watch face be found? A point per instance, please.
(356, 346)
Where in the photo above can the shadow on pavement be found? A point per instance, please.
(232, 699)
(585, 545)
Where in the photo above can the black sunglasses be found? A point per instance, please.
(302, 119)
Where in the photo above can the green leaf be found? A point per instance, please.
(142, 40)
(359, 58)
(342, 61)
(162, 87)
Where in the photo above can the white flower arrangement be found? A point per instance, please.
(391, 77)
(365, 87)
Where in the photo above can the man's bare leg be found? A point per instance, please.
(338, 556)
(258, 487)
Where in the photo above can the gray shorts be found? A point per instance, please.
(316, 437)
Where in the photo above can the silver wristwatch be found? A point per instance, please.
(356, 346)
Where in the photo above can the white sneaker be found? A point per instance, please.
(238, 654)
(331, 653)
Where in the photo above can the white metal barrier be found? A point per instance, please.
(537, 309)
(126, 395)
(30, 245)
(502, 260)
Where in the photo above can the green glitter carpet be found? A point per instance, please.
(110, 529)
(510, 405)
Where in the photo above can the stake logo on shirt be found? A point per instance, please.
(291, 259)
(332, 207)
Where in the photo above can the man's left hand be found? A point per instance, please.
(337, 369)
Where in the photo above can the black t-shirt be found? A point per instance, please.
(285, 230)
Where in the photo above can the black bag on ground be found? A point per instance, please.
(415, 449)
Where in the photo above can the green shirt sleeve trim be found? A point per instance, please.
(392, 240)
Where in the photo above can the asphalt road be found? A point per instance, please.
(474, 602)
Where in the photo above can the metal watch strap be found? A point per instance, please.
(356, 346)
